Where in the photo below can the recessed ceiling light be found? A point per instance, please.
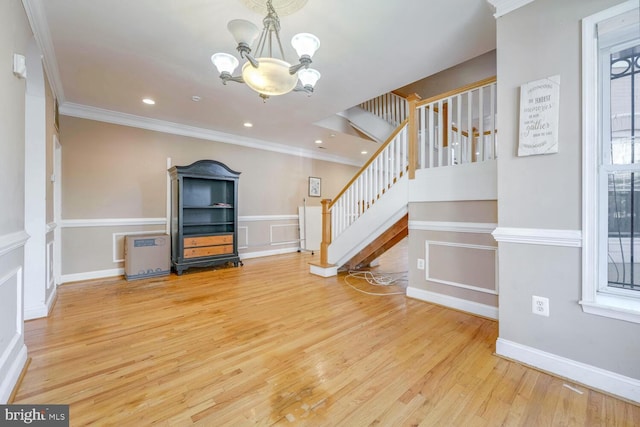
(318, 141)
(363, 152)
(196, 98)
(148, 101)
(248, 125)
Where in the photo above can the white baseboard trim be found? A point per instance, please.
(323, 271)
(90, 275)
(590, 376)
(259, 254)
(41, 310)
(35, 312)
(13, 374)
(453, 302)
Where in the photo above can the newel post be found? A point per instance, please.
(326, 232)
(413, 135)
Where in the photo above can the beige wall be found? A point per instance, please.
(458, 263)
(538, 193)
(114, 172)
(471, 71)
(15, 35)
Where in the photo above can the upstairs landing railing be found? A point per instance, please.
(451, 129)
(457, 127)
(391, 107)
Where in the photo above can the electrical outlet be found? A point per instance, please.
(420, 264)
(540, 305)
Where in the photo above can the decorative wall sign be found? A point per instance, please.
(539, 115)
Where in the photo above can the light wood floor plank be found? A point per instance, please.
(270, 344)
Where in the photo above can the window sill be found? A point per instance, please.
(615, 307)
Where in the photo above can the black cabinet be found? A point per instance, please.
(204, 215)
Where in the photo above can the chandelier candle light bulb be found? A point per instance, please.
(267, 75)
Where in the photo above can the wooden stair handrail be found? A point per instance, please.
(460, 90)
(371, 159)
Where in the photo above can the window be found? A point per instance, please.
(611, 162)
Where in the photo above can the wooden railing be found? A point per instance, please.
(378, 175)
(450, 129)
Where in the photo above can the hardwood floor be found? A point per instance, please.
(269, 343)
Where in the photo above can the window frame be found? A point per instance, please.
(597, 297)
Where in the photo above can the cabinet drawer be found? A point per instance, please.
(207, 251)
(191, 242)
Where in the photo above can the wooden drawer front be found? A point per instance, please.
(191, 242)
(208, 251)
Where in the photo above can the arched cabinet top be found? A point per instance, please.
(205, 168)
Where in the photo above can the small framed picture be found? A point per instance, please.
(314, 187)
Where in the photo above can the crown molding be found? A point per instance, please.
(125, 119)
(505, 6)
(40, 27)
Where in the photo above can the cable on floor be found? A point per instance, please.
(377, 278)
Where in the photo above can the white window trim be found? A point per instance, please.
(593, 300)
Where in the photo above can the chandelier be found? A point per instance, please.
(266, 74)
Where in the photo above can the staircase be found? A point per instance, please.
(370, 214)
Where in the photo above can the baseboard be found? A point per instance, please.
(35, 312)
(52, 299)
(590, 376)
(101, 274)
(453, 302)
(90, 275)
(13, 375)
(323, 271)
(41, 310)
(260, 254)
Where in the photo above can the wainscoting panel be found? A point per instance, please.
(284, 234)
(94, 248)
(462, 265)
(13, 353)
(265, 235)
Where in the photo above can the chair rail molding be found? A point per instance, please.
(539, 236)
(505, 6)
(9, 242)
(457, 227)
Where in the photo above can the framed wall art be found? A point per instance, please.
(314, 187)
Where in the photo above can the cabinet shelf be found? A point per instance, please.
(204, 220)
(207, 207)
(196, 224)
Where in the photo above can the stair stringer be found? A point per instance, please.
(368, 123)
(384, 213)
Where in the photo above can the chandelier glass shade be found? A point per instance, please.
(271, 78)
(266, 74)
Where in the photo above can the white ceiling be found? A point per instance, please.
(109, 54)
